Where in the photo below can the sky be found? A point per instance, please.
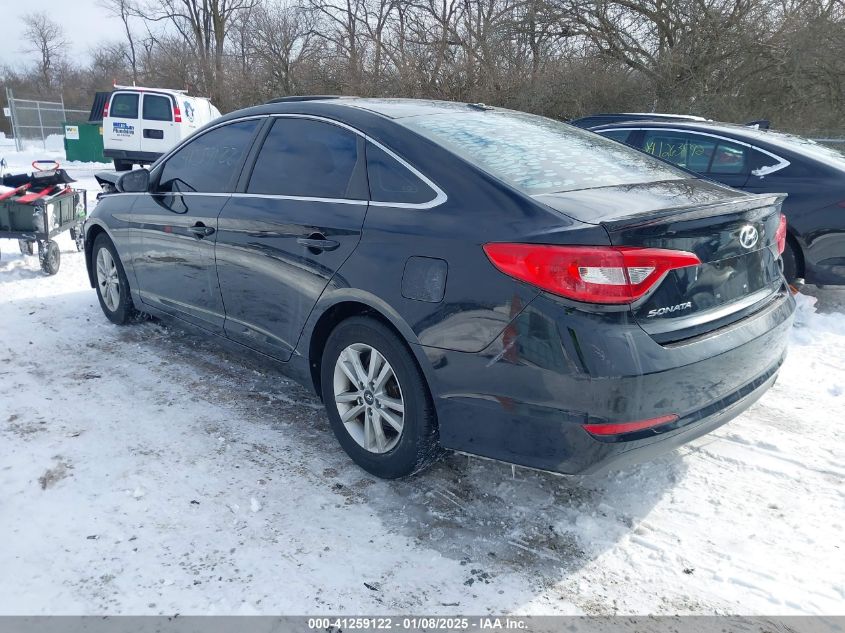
(84, 22)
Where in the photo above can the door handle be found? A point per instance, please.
(200, 230)
(317, 242)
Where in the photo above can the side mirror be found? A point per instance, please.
(135, 181)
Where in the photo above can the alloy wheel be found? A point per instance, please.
(107, 279)
(369, 398)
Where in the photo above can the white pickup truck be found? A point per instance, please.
(141, 124)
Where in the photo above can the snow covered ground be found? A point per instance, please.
(145, 471)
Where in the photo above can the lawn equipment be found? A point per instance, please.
(38, 206)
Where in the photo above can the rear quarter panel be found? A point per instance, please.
(479, 301)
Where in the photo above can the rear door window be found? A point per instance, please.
(211, 162)
(124, 105)
(617, 135)
(391, 181)
(730, 158)
(309, 159)
(689, 151)
(157, 108)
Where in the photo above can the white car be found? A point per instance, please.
(141, 124)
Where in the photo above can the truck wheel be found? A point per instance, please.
(50, 256)
(122, 165)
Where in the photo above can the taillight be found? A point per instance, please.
(780, 235)
(177, 114)
(595, 274)
(617, 428)
(106, 110)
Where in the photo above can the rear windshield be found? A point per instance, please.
(807, 147)
(539, 155)
(124, 105)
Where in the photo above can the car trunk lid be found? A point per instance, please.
(732, 233)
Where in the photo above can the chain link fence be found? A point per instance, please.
(35, 120)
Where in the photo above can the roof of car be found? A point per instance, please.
(665, 115)
(604, 118)
(734, 129)
(393, 108)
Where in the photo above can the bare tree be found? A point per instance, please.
(727, 59)
(285, 40)
(341, 25)
(46, 38)
(124, 10)
(203, 26)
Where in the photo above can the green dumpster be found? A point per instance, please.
(84, 142)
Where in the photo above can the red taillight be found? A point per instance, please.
(106, 110)
(780, 235)
(595, 274)
(177, 114)
(617, 428)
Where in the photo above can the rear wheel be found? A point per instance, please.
(122, 165)
(377, 399)
(112, 285)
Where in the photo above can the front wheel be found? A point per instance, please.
(112, 284)
(377, 399)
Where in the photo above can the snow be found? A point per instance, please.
(144, 470)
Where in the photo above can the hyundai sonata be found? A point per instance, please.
(459, 276)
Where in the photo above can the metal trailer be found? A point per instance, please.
(40, 206)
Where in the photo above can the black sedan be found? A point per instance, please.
(763, 161)
(453, 275)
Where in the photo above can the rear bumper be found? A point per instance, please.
(144, 158)
(526, 398)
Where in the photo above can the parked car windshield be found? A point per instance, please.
(538, 155)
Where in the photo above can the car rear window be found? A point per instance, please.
(157, 108)
(538, 155)
(124, 106)
(806, 147)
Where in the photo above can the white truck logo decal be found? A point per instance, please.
(122, 129)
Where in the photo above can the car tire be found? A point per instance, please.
(122, 165)
(357, 415)
(111, 282)
(790, 262)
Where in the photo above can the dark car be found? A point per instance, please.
(763, 161)
(458, 276)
